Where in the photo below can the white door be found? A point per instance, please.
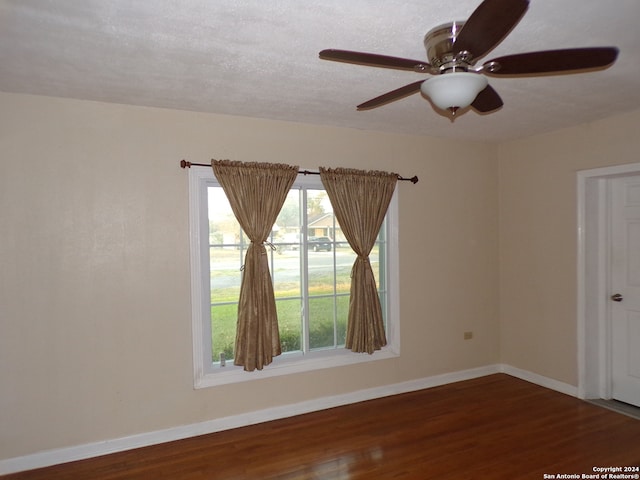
(625, 289)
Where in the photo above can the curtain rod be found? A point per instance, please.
(185, 164)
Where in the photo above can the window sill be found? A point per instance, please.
(289, 365)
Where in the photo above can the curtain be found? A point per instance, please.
(256, 192)
(360, 200)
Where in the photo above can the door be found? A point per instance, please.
(625, 288)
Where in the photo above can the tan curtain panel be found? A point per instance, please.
(360, 200)
(256, 192)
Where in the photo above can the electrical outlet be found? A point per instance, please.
(468, 335)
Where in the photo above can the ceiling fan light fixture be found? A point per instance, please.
(451, 91)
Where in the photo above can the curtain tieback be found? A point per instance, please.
(362, 259)
(265, 243)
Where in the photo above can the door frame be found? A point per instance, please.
(594, 312)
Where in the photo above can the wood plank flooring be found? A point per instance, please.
(494, 427)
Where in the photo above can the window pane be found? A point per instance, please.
(321, 274)
(225, 275)
(320, 246)
(226, 254)
(342, 308)
(285, 271)
(286, 232)
(374, 261)
(290, 324)
(320, 220)
(321, 322)
(345, 257)
(223, 330)
(328, 321)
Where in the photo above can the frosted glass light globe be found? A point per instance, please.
(451, 90)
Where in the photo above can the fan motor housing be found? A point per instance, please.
(439, 45)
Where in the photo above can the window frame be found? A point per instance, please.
(208, 375)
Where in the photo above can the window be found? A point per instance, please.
(310, 264)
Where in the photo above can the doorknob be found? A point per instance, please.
(616, 297)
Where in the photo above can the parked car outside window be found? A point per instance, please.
(318, 244)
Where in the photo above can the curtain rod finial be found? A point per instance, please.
(185, 164)
(413, 179)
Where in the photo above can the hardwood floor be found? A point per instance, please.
(494, 427)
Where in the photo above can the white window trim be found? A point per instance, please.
(285, 364)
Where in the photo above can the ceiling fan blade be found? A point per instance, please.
(488, 25)
(374, 60)
(391, 96)
(553, 61)
(487, 100)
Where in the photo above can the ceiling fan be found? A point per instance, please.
(453, 50)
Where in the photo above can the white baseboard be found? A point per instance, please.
(543, 381)
(69, 454)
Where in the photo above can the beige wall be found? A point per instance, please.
(95, 338)
(538, 239)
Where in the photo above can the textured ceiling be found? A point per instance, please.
(259, 58)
